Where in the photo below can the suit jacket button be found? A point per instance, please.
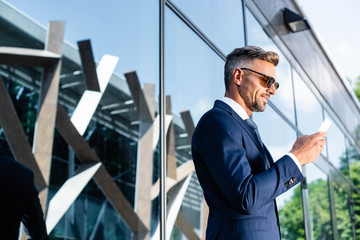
(290, 182)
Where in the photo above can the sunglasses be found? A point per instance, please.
(269, 80)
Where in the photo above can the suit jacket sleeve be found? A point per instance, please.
(219, 146)
(33, 218)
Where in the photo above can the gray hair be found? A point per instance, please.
(245, 55)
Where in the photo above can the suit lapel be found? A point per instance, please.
(247, 128)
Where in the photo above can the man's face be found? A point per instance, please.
(253, 88)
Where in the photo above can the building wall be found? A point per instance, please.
(198, 35)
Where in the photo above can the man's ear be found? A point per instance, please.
(237, 76)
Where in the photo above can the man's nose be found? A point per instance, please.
(271, 90)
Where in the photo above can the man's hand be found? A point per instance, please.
(308, 147)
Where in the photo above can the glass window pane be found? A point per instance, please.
(194, 79)
(279, 137)
(343, 222)
(221, 21)
(130, 31)
(194, 74)
(319, 203)
(354, 164)
(308, 109)
(356, 211)
(354, 170)
(336, 147)
(283, 100)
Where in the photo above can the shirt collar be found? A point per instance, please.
(236, 107)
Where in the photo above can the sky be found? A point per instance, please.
(337, 25)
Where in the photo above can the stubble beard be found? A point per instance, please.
(256, 106)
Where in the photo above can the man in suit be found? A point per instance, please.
(235, 169)
(19, 201)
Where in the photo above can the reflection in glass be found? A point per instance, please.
(356, 208)
(194, 74)
(194, 80)
(308, 109)
(354, 170)
(319, 203)
(283, 100)
(221, 21)
(336, 147)
(278, 137)
(342, 213)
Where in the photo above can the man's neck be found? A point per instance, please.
(239, 100)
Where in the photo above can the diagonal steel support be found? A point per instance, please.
(88, 65)
(68, 193)
(145, 105)
(90, 99)
(16, 137)
(170, 144)
(175, 199)
(102, 178)
(184, 225)
(45, 123)
(13, 56)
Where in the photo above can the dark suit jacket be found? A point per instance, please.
(234, 171)
(19, 201)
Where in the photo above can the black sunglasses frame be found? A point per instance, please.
(269, 80)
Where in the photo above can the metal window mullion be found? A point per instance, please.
(196, 30)
(244, 23)
(162, 136)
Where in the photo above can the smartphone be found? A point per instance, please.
(325, 125)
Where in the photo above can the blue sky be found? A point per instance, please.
(336, 23)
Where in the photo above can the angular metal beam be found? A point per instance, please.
(16, 137)
(102, 178)
(13, 56)
(68, 193)
(45, 124)
(170, 144)
(90, 99)
(182, 172)
(184, 225)
(88, 65)
(139, 97)
(205, 216)
(188, 122)
(73, 138)
(175, 199)
(145, 105)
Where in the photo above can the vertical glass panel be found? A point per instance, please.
(343, 222)
(279, 137)
(283, 100)
(308, 109)
(354, 170)
(319, 203)
(194, 79)
(356, 211)
(194, 74)
(221, 21)
(336, 147)
(125, 29)
(354, 164)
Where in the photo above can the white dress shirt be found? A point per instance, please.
(242, 113)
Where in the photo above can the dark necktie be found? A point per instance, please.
(253, 126)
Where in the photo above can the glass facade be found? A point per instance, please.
(121, 200)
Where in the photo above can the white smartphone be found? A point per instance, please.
(325, 125)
